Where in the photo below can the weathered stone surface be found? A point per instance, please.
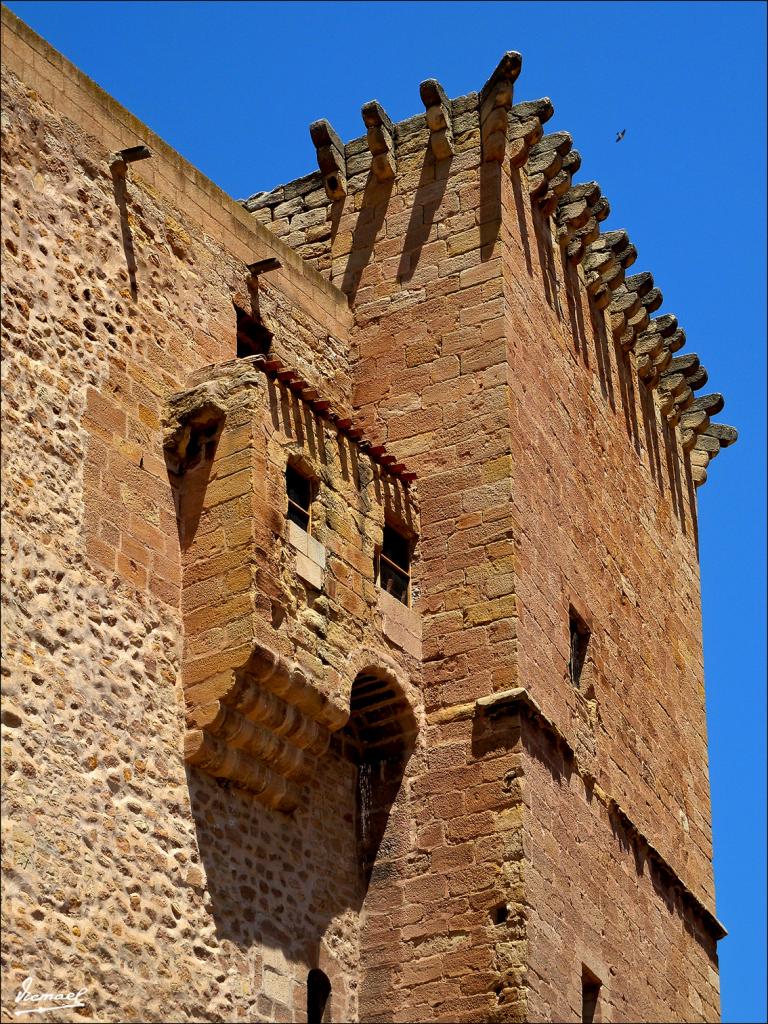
(367, 792)
(439, 118)
(330, 158)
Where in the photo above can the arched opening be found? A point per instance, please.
(378, 738)
(318, 997)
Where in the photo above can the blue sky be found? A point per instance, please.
(234, 86)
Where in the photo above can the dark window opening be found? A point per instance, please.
(394, 565)
(590, 993)
(579, 639)
(500, 914)
(318, 997)
(299, 490)
(201, 446)
(252, 336)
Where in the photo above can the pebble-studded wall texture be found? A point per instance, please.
(242, 780)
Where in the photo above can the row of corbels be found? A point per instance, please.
(515, 132)
(263, 729)
(331, 158)
(507, 130)
(380, 136)
(343, 422)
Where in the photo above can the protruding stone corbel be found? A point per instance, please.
(698, 379)
(605, 261)
(648, 300)
(653, 347)
(705, 448)
(710, 404)
(694, 423)
(495, 104)
(119, 161)
(330, 159)
(526, 121)
(600, 266)
(381, 140)
(688, 365)
(695, 420)
(439, 121)
(725, 435)
(619, 244)
(558, 186)
(623, 306)
(671, 343)
(674, 396)
(545, 161)
(576, 248)
(707, 443)
(574, 209)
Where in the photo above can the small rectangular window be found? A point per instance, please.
(299, 490)
(590, 993)
(579, 640)
(394, 565)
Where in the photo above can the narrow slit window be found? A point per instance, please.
(590, 994)
(394, 565)
(579, 640)
(299, 490)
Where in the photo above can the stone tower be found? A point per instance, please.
(352, 620)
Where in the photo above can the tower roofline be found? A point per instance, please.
(514, 132)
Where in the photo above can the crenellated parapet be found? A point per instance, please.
(513, 135)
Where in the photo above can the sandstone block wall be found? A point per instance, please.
(148, 882)
(552, 476)
(454, 303)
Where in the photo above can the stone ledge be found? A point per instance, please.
(306, 545)
(309, 571)
(519, 701)
(400, 624)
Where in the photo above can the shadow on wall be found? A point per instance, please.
(515, 733)
(278, 881)
(189, 463)
(121, 198)
(665, 885)
(426, 202)
(370, 220)
(595, 348)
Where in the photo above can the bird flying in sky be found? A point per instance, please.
(620, 135)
